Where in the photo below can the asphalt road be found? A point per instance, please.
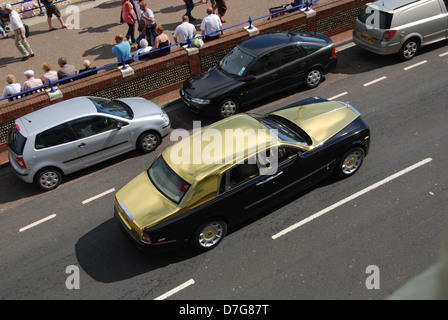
(396, 225)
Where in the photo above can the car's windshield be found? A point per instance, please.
(236, 62)
(167, 181)
(286, 131)
(112, 107)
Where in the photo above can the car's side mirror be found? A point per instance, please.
(119, 125)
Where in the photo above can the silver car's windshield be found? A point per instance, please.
(236, 62)
(167, 181)
(112, 107)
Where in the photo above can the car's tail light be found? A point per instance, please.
(388, 35)
(21, 162)
(146, 238)
(333, 53)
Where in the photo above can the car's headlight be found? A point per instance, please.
(164, 116)
(200, 101)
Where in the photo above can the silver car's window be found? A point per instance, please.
(112, 107)
(16, 141)
(55, 136)
(368, 16)
(89, 126)
(235, 62)
(167, 181)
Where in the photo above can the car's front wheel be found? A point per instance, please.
(209, 235)
(149, 141)
(313, 78)
(228, 107)
(48, 178)
(350, 162)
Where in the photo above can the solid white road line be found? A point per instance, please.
(338, 95)
(98, 196)
(374, 81)
(175, 290)
(352, 197)
(415, 65)
(443, 54)
(37, 222)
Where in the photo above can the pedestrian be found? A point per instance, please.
(189, 4)
(27, 7)
(162, 43)
(67, 70)
(184, 31)
(49, 74)
(51, 10)
(19, 31)
(31, 82)
(144, 48)
(211, 26)
(150, 24)
(12, 88)
(128, 18)
(222, 9)
(122, 49)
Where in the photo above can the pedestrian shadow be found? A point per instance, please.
(109, 5)
(100, 29)
(172, 9)
(8, 60)
(102, 52)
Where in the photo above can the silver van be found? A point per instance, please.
(401, 26)
(77, 133)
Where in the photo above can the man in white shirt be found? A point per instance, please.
(184, 31)
(211, 26)
(19, 31)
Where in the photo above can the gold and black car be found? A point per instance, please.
(208, 182)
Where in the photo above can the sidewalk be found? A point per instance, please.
(170, 97)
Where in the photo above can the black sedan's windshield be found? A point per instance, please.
(236, 62)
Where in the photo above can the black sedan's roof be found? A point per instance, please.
(267, 42)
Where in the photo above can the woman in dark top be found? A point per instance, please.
(162, 42)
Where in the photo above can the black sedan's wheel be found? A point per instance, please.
(313, 78)
(410, 49)
(228, 107)
(48, 179)
(350, 162)
(149, 141)
(209, 235)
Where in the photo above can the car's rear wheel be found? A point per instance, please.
(209, 235)
(48, 178)
(313, 78)
(228, 107)
(149, 141)
(409, 49)
(350, 162)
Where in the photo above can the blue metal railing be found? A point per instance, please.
(51, 84)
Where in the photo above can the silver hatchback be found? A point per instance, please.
(74, 134)
(401, 26)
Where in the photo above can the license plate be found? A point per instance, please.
(366, 38)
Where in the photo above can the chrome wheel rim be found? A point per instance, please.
(228, 108)
(314, 78)
(149, 142)
(410, 50)
(49, 180)
(211, 234)
(352, 162)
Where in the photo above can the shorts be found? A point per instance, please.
(53, 10)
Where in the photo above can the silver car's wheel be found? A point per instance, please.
(227, 108)
(48, 179)
(209, 235)
(149, 141)
(350, 162)
(313, 78)
(410, 49)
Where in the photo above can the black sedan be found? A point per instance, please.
(257, 68)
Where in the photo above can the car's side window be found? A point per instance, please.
(54, 136)
(309, 49)
(289, 54)
(238, 175)
(88, 126)
(286, 153)
(264, 64)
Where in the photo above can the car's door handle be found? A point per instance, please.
(303, 64)
(275, 76)
(81, 145)
(269, 179)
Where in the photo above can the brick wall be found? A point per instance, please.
(155, 77)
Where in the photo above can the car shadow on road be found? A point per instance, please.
(108, 256)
